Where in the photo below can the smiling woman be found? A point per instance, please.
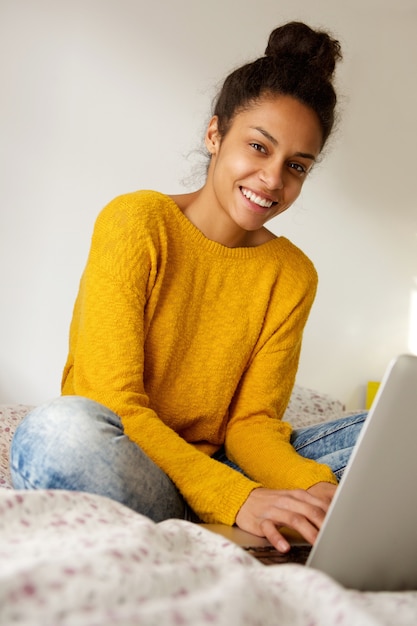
(257, 170)
(187, 329)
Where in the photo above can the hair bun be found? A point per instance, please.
(306, 47)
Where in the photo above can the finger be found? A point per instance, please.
(275, 538)
(298, 509)
(266, 511)
(307, 497)
(299, 523)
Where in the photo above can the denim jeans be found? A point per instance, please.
(77, 444)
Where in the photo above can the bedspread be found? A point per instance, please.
(76, 559)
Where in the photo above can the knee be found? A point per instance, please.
(48, 440)
(62, 416)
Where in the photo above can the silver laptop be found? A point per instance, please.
(369, 537)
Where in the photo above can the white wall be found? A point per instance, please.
(100, 97)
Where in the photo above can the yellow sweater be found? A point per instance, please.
(194, 345)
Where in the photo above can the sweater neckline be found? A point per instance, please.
(214, 247)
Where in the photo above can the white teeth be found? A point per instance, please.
(266, 204)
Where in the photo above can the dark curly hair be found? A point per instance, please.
(298, 62)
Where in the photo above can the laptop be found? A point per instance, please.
(368, 540)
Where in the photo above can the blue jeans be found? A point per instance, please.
(76, 444)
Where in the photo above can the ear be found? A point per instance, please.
(212, 138)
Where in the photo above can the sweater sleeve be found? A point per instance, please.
(106, 364)
(257, 439)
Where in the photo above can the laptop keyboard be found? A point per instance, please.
(268, 555)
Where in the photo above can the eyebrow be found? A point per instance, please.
(305, 155)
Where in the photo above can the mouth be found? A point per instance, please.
(260, 201)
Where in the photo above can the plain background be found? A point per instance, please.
(101, 97)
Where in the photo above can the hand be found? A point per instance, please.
(323, 491)
(267, 510)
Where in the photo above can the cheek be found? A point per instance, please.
(235, 164)
(292, 191)
(293, 188)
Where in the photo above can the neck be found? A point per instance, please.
(199, 208)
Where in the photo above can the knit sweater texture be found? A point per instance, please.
(194, 345)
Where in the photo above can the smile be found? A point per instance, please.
(262, 202)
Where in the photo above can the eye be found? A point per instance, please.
(258, 147)
(299, 169)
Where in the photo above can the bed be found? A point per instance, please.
(77, 559)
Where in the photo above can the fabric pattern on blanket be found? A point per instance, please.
(10, 418)
(70, 558)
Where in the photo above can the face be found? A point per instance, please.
(258, 169)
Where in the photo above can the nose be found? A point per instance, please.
(272, 175)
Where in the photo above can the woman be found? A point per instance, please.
(187, 328)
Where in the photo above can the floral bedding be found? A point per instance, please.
(75, 559)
